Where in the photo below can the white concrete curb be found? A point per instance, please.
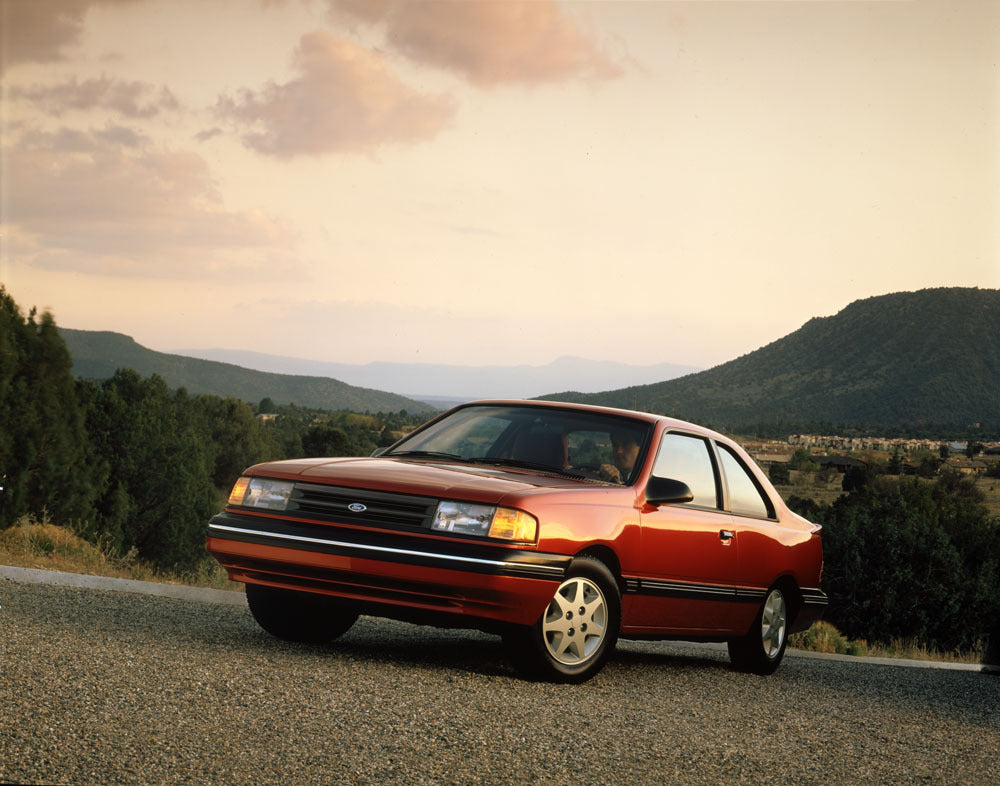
(35, 576)
(907, 663)
(904, 662)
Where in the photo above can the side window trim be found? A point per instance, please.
(772, 512)
(720, 477)
(720, 506)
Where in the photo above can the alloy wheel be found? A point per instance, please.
(772, 623)
(575, 622)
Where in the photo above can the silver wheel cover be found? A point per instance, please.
(772, 623)
(576, 621)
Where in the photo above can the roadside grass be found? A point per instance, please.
(34, 543)
(824, 637)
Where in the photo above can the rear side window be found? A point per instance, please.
(744, 496)
(688, 459)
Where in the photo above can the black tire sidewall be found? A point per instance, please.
(747, 653)
(528, 647)
(303, 617)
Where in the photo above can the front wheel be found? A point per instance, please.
(761, 650)
(306, 617)
(578, 630)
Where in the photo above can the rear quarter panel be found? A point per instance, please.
(770, 550)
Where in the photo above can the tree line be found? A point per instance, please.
(139, 469)
(909, 558)
(132, 465)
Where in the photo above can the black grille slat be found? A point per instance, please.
(382, 508)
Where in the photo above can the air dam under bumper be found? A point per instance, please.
(425, 573)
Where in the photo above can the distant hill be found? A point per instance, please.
(905, 360)
(98, 354)
(451, 383)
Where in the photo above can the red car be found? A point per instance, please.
(561, 527)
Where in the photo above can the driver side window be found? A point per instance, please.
(688, 459)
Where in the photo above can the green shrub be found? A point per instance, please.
(911, 560)
(824, 637)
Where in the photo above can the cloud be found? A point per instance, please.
(105, 201)
(208, 133)
(347, 99)
(121, 136)
(136, 100)
(489, 42)
(38, 31)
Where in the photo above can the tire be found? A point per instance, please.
(304, 617)
(761, 650)
(573, 637)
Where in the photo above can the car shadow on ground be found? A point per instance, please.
(664, 656)
(389, 641)
(378, 640)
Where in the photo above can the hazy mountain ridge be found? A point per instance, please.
(448, 381)
(901, 360)
(98, 354)
(911, 359)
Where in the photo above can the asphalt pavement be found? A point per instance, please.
(101, 685)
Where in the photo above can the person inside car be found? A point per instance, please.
(624, 452)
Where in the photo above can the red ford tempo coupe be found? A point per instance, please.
(561, 527)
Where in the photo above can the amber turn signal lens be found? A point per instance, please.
(239, 491)
(512, 524)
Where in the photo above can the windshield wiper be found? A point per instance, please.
(423, 454)
(519, 463)
(499, 462)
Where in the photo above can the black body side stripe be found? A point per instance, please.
(725, 592)
(812, 596)
(694, 591)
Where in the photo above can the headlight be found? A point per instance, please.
(261, 493)
(485, 520)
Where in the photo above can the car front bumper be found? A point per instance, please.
(421, 573)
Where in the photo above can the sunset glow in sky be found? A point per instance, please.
(492, 182)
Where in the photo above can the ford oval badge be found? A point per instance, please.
(357, 507)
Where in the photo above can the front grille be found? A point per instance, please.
(382, 508)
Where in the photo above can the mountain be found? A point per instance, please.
(904, 360)
(443, 382)
(98, 354)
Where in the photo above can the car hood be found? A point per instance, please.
(476, 483)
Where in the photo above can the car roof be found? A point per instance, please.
(668, 422)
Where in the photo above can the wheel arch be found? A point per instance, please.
(793, 597)
(606, 555)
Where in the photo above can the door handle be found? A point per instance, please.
(726, 534)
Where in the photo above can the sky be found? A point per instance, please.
(492, 182)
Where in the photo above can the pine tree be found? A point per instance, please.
(43, 442)
(158, 492)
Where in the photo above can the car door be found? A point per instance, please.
(757, 532)
(689, 558)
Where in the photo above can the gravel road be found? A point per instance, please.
(109, 687)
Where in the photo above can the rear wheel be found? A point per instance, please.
(578, 630)
(300, 616)
(761, 650)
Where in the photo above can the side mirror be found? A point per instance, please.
(378, 452)
(664, 491)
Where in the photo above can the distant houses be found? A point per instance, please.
(844, 453)
(967, 466)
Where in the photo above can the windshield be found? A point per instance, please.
(579, 444)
